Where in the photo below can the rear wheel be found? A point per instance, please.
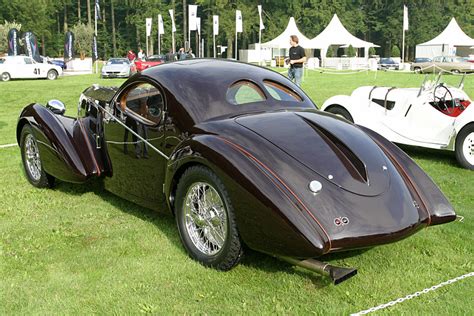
(5, 76)
(455, 71)
(52, 74)
(32, 161)
(341, 112)
(417, 70)
(465, 147)
(205, 219)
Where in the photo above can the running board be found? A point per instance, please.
(337, 274)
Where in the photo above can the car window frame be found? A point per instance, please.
(263, 93)
(120, 102)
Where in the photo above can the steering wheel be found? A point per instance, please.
(440, 101)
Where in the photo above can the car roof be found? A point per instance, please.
(200, 85)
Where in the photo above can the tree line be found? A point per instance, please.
(122, 23)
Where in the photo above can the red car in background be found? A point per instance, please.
(149, 62)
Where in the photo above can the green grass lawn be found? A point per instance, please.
(76, 249)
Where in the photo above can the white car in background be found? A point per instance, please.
(117, 68)
(25, 67)
(433, 116)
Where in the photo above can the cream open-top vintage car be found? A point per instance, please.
(434, 115)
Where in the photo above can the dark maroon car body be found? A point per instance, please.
(266, 154)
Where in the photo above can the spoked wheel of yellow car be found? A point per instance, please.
(205, 219)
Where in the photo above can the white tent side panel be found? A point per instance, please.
(430, 51)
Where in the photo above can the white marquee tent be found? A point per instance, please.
(283, 40)
(452, 41)
(336, 34)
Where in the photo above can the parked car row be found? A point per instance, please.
(452, 64)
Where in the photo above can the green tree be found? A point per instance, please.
(83, 35)
(4, 29)
(395, 51)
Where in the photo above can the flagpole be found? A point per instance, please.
(236, 44)
(95, 32)
(403, 46)
(214, 41)
(159, 43)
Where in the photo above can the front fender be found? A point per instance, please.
(64, 146)
(266, 217)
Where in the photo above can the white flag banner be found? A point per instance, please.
(215, 24)
(148, 26)
(161, 27)
(198, 25)
(238, 21)
(405, 18)
(262, 27)
(173, 26)
(192, 15)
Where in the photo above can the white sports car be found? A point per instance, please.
(117, 68)
(433, 116)
(24, 67)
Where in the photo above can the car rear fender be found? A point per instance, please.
(65, 144)
(268, 220)
(418, 182)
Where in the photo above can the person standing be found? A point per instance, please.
(296, 60)
(131, 56)
(141, 54)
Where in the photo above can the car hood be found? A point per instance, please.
(333, 148)
(115, 68)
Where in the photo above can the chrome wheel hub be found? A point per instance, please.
(468, 148)
(32, 157)
(205, 218)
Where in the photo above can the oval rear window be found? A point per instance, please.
(280, 92)
(243, 92)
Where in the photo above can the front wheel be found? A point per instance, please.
(465, 147)
(52, 74)
(341, 112)
(5, 76)
(32, 161)
(417, 70)
(205, 219)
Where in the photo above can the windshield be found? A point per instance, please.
(117, 61)
(2, 60)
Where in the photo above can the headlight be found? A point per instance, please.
(472, 67)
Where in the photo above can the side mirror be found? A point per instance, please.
(56, 106)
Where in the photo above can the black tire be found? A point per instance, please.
(40, 179)
(417, 70)
(455, 71)
(340, 111)
(230, 253)
(465, 146)
(5, 76)
(52, 74)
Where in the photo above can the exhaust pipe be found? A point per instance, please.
(337, 274)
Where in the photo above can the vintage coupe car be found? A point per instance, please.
(240, 155)
(117, 68)
(452, 64)
(434, 116)
(25, 67)
(150, 61)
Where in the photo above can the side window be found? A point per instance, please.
(145, 100)
(28, 61)
(281, 92)
(243, 92)
(438, 59)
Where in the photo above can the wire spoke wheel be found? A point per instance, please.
(31, 158)
(206, 218)
(33, 161)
